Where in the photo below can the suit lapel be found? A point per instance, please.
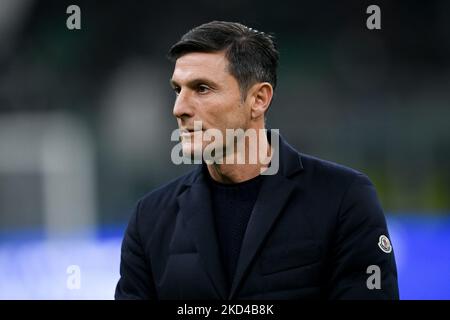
(273, 196)
(196, 210)
(274, 193)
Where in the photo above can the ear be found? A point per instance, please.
(261, 95)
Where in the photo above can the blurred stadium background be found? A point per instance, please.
(86, 117)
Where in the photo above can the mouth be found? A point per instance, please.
(188, 131)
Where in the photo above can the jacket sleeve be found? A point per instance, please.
(136, 281)
(363, 262)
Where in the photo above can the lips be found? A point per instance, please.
(189, 133)
(188, 130)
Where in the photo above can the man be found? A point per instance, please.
(227, 230)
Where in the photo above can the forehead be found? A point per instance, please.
(201, 64)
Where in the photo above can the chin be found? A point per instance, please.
(189, 150)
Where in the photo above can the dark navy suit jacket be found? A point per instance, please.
(313, 233)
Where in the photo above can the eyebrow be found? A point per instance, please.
(195, 82)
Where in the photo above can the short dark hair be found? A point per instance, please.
(252, 55)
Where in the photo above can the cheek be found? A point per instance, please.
(225, 112)
(242, 115)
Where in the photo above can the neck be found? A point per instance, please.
(236, 172)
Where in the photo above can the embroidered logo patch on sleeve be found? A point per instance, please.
(385, 244)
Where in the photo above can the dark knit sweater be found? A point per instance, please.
(232, 206)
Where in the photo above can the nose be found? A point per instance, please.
(182, 107)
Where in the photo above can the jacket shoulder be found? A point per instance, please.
(168, 191)
(157, 204)
(331, 172)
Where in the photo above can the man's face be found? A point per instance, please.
(206, 92)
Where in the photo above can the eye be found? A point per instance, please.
(203, 88)
(177, 90)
